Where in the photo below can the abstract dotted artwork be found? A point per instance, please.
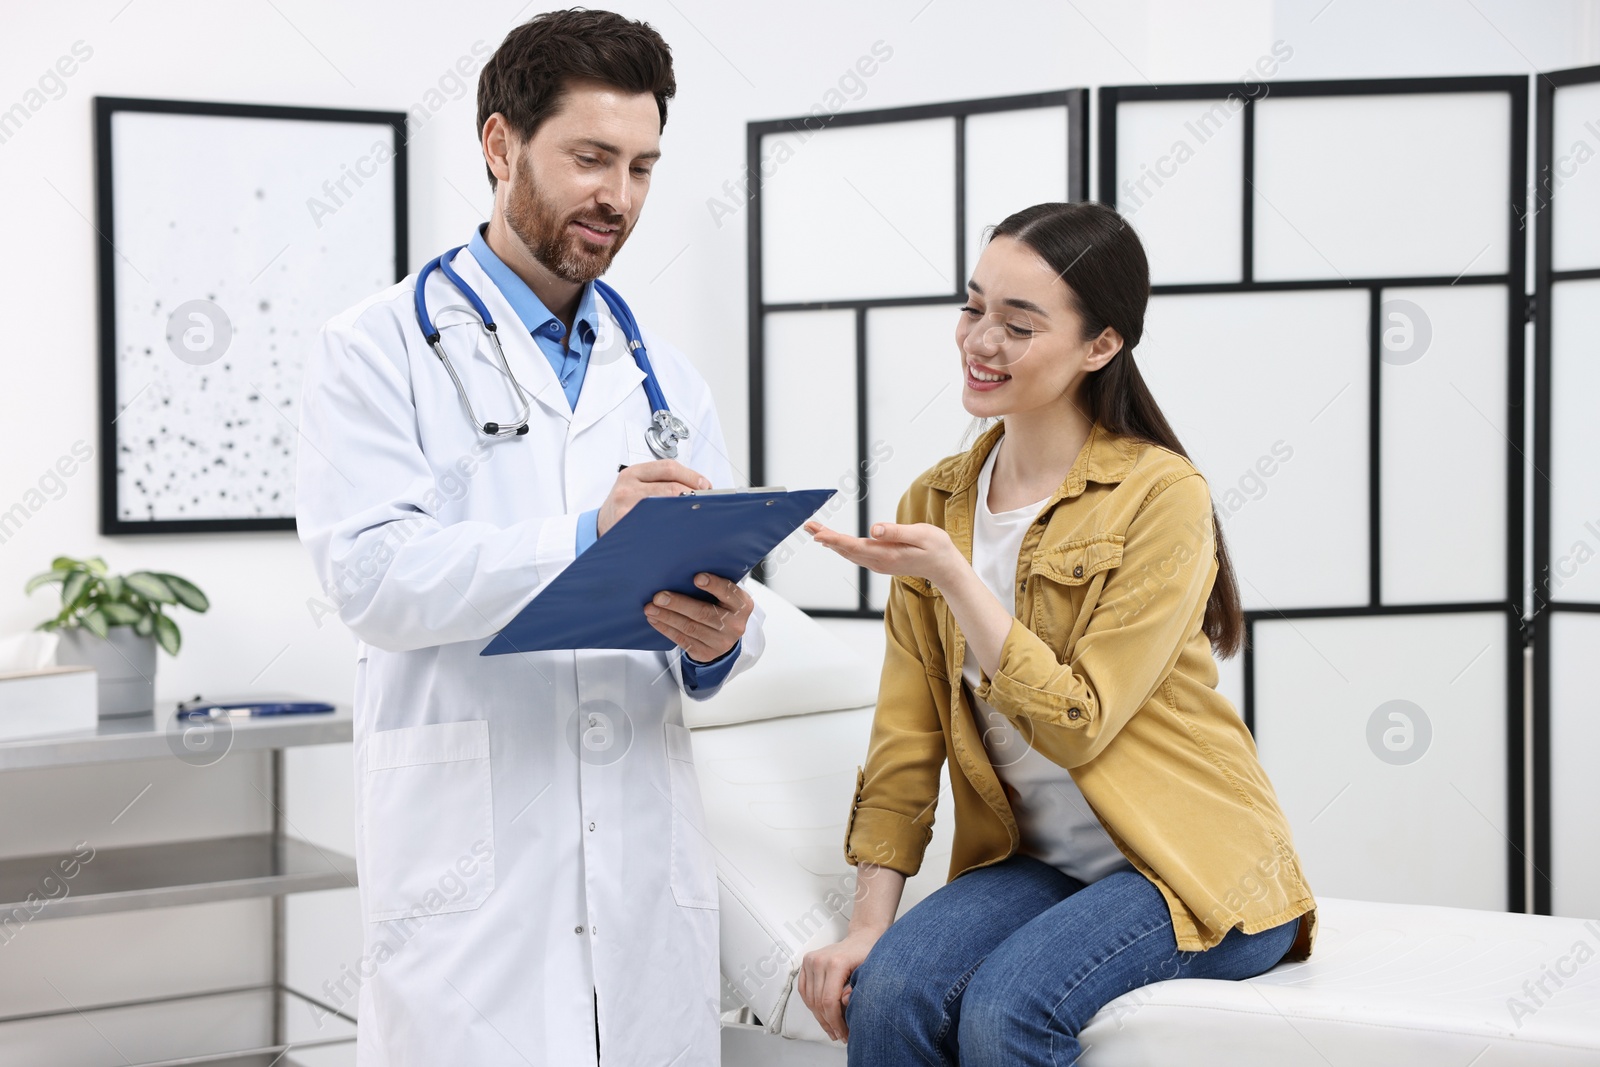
(229, 235)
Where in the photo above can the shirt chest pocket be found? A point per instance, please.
(1065, 585)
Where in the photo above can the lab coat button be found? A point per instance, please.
(577, 929)
(591, 826)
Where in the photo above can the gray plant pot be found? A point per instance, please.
(125, 662)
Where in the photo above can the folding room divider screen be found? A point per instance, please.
(861, 232)
(1566, 493)
(1336, 333)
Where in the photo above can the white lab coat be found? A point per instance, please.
(530, 833)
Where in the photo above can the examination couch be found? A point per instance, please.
(1388, 985)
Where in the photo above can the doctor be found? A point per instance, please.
(536, 885)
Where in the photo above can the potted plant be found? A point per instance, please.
(113, 623)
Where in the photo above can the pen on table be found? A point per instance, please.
(198, 709)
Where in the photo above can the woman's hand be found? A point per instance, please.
(822, 976)
(918, 550)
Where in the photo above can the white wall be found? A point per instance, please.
(683, 271)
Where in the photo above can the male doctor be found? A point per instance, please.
(536, 885)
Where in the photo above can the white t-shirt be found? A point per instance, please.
(1057, 824)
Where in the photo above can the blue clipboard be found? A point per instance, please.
(662, 543)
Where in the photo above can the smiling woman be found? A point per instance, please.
(1108, 798)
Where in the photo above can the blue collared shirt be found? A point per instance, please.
(569, 358)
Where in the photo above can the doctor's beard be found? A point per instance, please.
(548, 234)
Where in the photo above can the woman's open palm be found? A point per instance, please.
(918, 550)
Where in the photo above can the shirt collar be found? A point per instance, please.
(1107, 457)
(523, 300)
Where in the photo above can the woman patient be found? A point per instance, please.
(1061, 592)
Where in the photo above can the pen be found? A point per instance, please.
(253, 709)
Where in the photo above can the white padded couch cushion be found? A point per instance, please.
(804, 669)
(1388, 985)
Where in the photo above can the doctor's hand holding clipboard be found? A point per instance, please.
(705, 631)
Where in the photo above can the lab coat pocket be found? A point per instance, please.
(694, 866)
(637, 450)
(428, 820)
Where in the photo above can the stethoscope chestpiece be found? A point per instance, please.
(665, 431)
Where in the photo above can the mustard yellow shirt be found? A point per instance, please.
(1107, 669)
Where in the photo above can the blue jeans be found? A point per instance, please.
(1006, 964)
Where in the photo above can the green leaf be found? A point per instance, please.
(114, 587)
(96, 564)
(188, 594)
(167, 634)
(120, 614)
(145, 625)
(44, 579)
(151, 587)
(95, 622)
(65, 563)
(74, 587)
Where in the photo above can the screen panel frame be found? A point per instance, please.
(1541, 610)
(1076, 104)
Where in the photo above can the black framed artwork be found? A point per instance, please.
(228, 234)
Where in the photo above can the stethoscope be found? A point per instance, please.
(665, 429)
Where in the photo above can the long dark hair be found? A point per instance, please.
(1097, 255)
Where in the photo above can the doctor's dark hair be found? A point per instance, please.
(1094, 251)
(525, 78)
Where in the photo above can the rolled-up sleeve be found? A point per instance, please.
(891, 813)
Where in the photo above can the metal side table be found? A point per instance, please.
(175, 873)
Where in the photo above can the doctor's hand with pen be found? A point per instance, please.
(704, 630)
